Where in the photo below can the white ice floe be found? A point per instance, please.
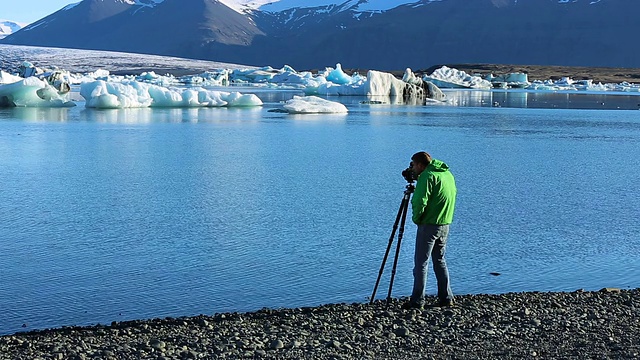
(6, 78)
(411, 78)
(31, 92)
(376, 83)
(313, 105)
(385, 84)
(134, 94)
(446, 77)
(513, 80)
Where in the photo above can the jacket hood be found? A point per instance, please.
(437, 165)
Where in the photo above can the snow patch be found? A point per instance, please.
(8, 27)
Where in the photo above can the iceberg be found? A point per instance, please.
(208, 78)
(6, 78)
(516, 80)
(337, 76)
(134, 94)
(331, 89)
(446, 77)
(31, 92)
(268, 75)
(383, 84)
(34, 87)
(313, 105)
(56, 78)
(410, 89)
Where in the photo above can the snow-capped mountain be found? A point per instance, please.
(355, 5)
(275, 6)
(243, 6)
(170, 27)
(8, 27)
(379, 34)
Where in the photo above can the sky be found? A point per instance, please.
(28, 11)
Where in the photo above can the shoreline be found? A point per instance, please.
(534, 72)
(579, 324)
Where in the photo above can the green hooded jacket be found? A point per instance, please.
(434, 198)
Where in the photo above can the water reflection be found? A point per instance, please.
(275, 98)
(376, 100)
(169, 115)
(267, 95)
(118, 116)
(542, 100)
(318, 117)
(506, 99)
(40, 114)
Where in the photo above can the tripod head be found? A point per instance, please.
(409, 189)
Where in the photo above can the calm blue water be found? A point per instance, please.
(125, 214)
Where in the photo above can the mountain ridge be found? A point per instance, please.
(413, 34)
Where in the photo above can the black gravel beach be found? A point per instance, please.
(573, 325)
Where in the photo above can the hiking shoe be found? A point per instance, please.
(444, 303)
(409, 305)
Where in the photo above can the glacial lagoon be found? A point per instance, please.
(112, 215)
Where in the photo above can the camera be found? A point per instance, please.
(408, 174)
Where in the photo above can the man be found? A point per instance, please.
(433, 203)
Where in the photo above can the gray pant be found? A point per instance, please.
(431, 241)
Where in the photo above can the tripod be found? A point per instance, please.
(400, 218)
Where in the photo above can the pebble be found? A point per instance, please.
(276, 344)
(593, 325)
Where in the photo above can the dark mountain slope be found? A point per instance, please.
(175, 27)
(184, 28)
(535, 32)
(79, 27)
(454, 31)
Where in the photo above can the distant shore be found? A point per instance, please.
(536, 72)
(575, 325)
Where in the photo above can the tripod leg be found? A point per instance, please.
(403, 206)
(400, 234)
